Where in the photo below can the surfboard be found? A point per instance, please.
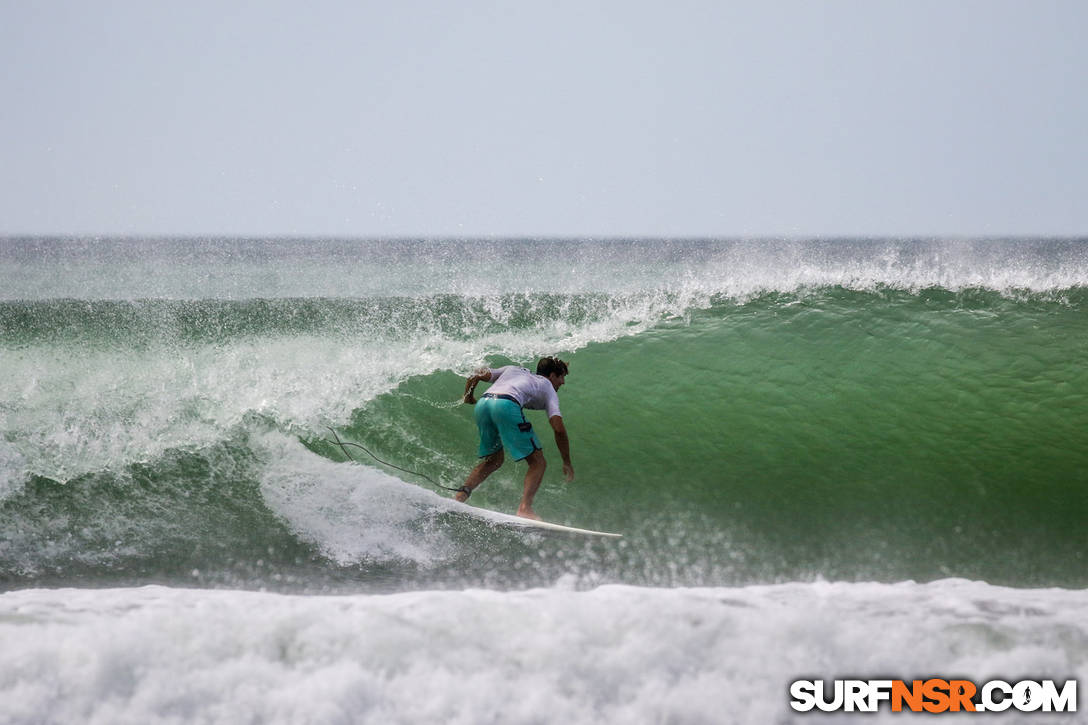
(523, 523)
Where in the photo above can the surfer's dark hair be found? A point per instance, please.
(549, 365)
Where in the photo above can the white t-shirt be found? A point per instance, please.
(532, 391)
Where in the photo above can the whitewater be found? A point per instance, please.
(828, 458)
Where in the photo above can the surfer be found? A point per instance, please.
(502, 425)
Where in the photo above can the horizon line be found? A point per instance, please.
(537, 237)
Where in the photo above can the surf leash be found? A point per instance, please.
(342, 445)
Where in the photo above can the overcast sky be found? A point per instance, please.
(469, 118)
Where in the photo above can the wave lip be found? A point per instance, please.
(249, 269)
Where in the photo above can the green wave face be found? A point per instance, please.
(843, 435)
(893, 412)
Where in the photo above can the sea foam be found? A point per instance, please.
(612, 654)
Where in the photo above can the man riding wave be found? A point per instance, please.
(501, 422)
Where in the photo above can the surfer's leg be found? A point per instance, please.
(490, 451)
(483, 469)
(533, 476)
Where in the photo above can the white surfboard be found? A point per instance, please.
(521, 522)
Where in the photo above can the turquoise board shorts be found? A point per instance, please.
(502, 425)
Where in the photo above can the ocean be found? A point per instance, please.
(841, 458)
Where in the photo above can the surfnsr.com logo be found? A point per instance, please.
(934, 695)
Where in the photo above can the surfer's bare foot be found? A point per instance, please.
(527, 513)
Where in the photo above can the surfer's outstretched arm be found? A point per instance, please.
(483, 375)
(562, 442)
